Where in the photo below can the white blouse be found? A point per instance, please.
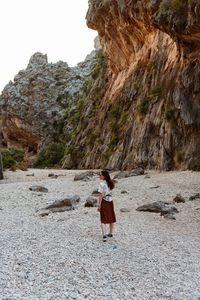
(105, 190)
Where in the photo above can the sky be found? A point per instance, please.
(53, 27)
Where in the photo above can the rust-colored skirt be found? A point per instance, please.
(107, 213)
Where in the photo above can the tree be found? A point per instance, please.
(1, 167)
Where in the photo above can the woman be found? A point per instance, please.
(106, 207)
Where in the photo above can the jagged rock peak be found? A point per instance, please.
(38, 59)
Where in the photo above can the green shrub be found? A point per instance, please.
(95, 71)
(8, 160)
(17, 154)
(172, 5)
(169, 115)
(113, 144)
(92, 138)
(98, 66)
(156, 92)
(49, 156)
(113, 116)
(80, 103)
(142, 107)
(88, 85)
(151, 65)
(12, 157)
(124, 116)
(195, 166)
(179, 157)
(78, 77)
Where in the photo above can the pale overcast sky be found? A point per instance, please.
(54, 27)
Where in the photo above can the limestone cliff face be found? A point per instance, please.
(153, 51)
(135, 103)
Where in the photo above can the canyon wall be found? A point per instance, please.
(134, 103)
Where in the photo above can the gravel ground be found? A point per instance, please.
(62, 256)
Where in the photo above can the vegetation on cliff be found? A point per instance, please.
(13, 158)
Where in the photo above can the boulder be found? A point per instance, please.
(159, 207)
(95, 192)
(67, 204)
(91, 202)
(69, 201)
(38, 188)
(52, 175)
(85, 176)
(125, 174)
(179, 199)
(195, 196)
(170, 216)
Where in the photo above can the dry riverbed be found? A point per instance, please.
(62, 256)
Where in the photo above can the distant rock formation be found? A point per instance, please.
(41, 105)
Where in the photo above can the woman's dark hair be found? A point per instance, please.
(109, 181)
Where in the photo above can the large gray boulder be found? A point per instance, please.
(85, 176)
(67, 204)
(125, 174)
(69, 201)
(164, 208)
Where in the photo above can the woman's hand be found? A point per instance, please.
(99, 202)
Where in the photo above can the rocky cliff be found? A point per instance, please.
(135, 103)
(43, 104)
(153, 51)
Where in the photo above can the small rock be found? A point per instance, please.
(124, 209)
(61, 209)
(147, 176)
(95, 192)
(169, 210)
(154, 187)
(44, 214)
(30, 174)
(195, 196)
(179, 199)
(52, 175)
(170, 216)
(124, 192)
(91, 202)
